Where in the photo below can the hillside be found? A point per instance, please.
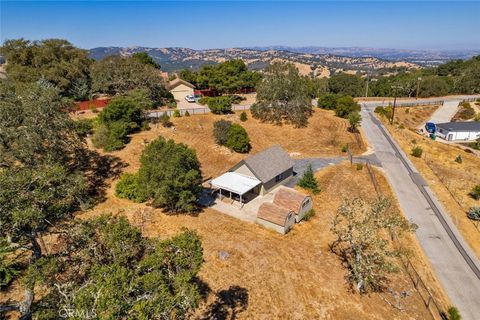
(173, 59)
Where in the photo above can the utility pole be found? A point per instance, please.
(366, 89)
(394, 101)
(418, 86)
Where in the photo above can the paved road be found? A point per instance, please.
(453, 261)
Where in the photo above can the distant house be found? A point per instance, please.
(257, 174)
(294, 201)
(276, 218)
(459, 131)
(180, 89)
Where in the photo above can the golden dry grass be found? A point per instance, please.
(413, 117)
(450, 181)
(286, 277)
(323, 137)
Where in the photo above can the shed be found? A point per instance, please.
(294, 201)
(459, 131)
(180, 88)
(275, 218)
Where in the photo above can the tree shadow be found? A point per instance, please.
(99, 169)
(228, 304)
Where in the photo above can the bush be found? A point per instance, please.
(308, 180)
(220, 131)
(125, 109)
(417, 152)
(170, 175)
(8, 270)
(474, 213)
(359, 166)
(176, 114)
(187, 114)
(344, 148)
(84, 127)
(345, 106)
(454, 314)
(384, 111)
(129, 188)
(165, 120)
(309, 215)
(459, 159)
(220, 105)
(112, 137)
(475, 145)
(328, 101)
(475, 193)
(243, 116)
(237, 139)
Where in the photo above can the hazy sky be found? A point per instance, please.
(198, 24)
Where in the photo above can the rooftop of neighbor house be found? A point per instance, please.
(176, 82)
(289, 198)
(460, 126)
(273, 213)
(269, 163)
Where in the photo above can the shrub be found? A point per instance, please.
(84, 127)
(170, 175)
(417, 152)
(454, 314)
(220, 105)
(308, 180)
(187, 114)
(328, 101)
(344, 148)
(475, 145)
(8, 270)
(243, 116)
(459, 159)
(237, 139)
(474, 213)
(165, 120)
(359, 166)
(129, 188)
(475, 193)
(125, 109)
(345, 106)
(384, 111)
(112, 137)
(220, 131)
(176, 114)
(309, 215)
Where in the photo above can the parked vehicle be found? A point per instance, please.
(430, 127)
(190, 98)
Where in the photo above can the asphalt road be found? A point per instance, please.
(451, 258)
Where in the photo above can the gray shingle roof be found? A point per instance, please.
(460, 126)
(269, 163)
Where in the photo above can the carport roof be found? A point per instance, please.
(235, 182)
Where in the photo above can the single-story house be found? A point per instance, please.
(257, 174)
(276, 218)
(294, 201)
(459, 131)
(180, 88)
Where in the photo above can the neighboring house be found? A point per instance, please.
(276, 218)
(294, 201)
(180, 89)
(459, 131)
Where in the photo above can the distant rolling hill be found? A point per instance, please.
(321, 64)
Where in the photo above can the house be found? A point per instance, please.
(276, 218)
(257, 174)
(294, 201)
(459, 131)
(180, 89)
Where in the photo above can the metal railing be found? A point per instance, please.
(191, 111)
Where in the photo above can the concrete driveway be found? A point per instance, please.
(445, 112)
(455, 264)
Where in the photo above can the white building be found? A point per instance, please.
(459, 131)
(180, 89)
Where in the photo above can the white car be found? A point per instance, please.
(190, 98)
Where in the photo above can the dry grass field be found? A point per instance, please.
(323, 137)
(413, 117)
(450, 181)
(270, 276)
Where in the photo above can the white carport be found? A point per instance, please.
(234, 182)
